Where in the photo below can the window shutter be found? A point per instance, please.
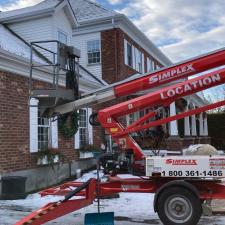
(143, 63)
(133, 57)
(33, 112)
(90, 128)
(125, 52)
(54, 134)
(77, 138)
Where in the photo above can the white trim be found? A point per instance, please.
(59, 30)
(100, 50)
(201, 124)
(33, 121)
(143, 63)
(77, 138)
(19, 65)
(133, 58)
(122, 22)
(90, 128)
(173, 125)
(54, 134)
(125, 52)
(149, 65)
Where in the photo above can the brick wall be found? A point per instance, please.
(113, 66)
(14, 125)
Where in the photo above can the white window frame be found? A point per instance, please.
(48, 126)
(126, 44)
(149, 65)
(52, 132)
(60, 32)
(100, 53)
(77, 144)
(138, 60)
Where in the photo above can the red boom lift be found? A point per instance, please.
(182, 184)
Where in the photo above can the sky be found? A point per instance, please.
(180, 28)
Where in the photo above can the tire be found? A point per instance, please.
(93, 120)
(179, 206)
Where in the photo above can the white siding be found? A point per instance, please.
(80, 42)
(35, 30)
(62, 24)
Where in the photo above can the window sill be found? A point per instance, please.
(86, 155)
(94, 64)
(44, 160)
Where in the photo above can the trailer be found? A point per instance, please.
(183, 185)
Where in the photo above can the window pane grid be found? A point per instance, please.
(129, 54)
(83, 128)
(93, 51)
(43, 132)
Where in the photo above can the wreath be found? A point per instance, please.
(65, 130)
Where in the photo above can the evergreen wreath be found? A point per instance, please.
(64, 129)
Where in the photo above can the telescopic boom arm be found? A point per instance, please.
(150, 80)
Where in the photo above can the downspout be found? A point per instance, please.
(115, 46)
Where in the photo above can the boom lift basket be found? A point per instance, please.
(61, 62)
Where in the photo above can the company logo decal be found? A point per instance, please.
(181, 162)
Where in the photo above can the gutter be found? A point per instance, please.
(19, 65)
(85, 25)
(27, 16)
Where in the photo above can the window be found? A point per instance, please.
(157, 66)
(93, 51)
(43, 132)
(83, 128)
(149, 65)
(129, 54)
(62, 37)
(138, 59)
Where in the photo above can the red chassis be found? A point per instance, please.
(200, 189)
(51, 211)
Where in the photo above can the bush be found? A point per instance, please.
(216, 127)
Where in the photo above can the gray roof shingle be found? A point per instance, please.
(86, 10)
(45, 5)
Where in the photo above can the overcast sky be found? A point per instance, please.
(181, 28)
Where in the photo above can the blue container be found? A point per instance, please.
(106, 218)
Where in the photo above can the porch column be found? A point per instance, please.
(205, 126)
(187, 131)
(193, 126)
(201, 125)
(173, 124)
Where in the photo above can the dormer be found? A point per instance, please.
(48, 20)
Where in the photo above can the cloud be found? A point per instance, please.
(115, 2)
(181, 28)
(17, 4)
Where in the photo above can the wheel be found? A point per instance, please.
(179, 206)
(93, 119)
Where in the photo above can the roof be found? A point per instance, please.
(14, 44)
(86, 10)
(44, 8)
(90, 14)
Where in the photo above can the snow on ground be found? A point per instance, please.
(130, 209)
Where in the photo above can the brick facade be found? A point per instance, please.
(113, 66)
(14, 126)
(114, 69)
